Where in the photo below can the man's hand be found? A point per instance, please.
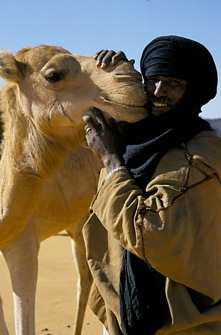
(107, 58)
(102, 140)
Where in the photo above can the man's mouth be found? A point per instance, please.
(159, 107)
(161, 104)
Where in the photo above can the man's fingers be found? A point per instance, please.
(97, 54)
(104, 58)
(99, 117)
(87, 119)
(120, 55)
(132, 61)
(89, 123)
(95, 121)
(107, 58)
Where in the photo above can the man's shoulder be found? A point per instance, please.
(206, 147)
(204, 142)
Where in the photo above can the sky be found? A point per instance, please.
(86, 26)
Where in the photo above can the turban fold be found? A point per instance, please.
(182, 58)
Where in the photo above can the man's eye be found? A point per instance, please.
(151, 81)
(174, 83)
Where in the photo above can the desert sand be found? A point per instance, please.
(56, 291)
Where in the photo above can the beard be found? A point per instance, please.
(154, 102)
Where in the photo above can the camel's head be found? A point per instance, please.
(56, 88)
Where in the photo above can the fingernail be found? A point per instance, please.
(103, 65)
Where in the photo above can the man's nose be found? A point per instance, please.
(160, 89)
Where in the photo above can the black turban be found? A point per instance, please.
(182, 58)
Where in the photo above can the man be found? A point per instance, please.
(153, 237)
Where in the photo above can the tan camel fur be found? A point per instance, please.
(48, 178)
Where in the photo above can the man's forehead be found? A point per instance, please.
(160, 77)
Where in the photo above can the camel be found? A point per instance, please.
(48, 177)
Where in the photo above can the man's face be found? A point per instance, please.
(163, 93)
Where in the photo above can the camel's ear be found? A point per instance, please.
(10, 68)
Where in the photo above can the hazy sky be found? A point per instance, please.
(86, 26)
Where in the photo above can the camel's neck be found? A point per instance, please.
(29, 151)
(28, 157)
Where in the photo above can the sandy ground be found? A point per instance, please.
(56, 291)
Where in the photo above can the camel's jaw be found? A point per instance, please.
(116, 103)
(122, 111)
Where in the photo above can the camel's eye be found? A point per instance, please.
(54, 77)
